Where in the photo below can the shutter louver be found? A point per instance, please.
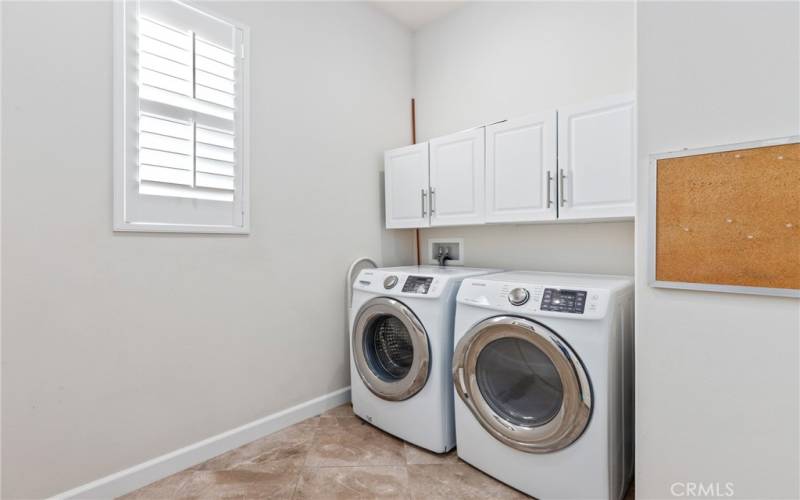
(215, 158)
(165, 61)
(187, 95)
(215, 73)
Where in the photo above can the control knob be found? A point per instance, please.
(518, 296)
(390, 282)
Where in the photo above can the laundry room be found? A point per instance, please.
(400, 249)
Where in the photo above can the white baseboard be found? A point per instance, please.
(135, 477)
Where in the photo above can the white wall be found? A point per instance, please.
(493, 60)
(717, 374)
(120, 347)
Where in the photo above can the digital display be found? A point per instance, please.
(569, 301)
(417, 284)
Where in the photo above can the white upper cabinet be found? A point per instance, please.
(596, 159)
(456, 178)
(406, 186)
(576, 163)
(521, 169)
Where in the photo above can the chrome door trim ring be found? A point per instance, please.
(417, 375)
(576, 407)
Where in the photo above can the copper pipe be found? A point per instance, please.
(414, 141)
(413, 121)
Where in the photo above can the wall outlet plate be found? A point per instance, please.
(454, 247)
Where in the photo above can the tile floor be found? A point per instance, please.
(333, 456)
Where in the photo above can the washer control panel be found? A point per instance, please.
(561, 300)
(396, 283)
(418, 284)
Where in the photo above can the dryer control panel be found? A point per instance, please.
(560, 300)
(554, 299)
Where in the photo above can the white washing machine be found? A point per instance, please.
(543, 376)
(401, 347)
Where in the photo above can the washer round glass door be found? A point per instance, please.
(390, 349)
(523, 384)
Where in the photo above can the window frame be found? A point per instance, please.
(122, 11)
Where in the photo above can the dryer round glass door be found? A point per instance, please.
(523, 384)
(390, 349)
(519, 382)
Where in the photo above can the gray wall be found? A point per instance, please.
(494, 60)
(717, 374)
(120, 347)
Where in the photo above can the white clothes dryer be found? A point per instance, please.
(543, 376)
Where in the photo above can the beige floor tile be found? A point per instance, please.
(459, 480)
(162, 489)
(327, 422)
(349, 441)
(240, 484)
(284, 454)
(334, 456)
(345, 410)
(334, 483)
(305, 429)
(287, 447)
(420, 456)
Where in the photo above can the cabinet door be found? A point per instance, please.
(521, 169)
(406, 186)
(596, 159)
(457, 163)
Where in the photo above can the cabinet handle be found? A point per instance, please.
(562, 194)
(433, 201)
(549, 183)
(423, 203)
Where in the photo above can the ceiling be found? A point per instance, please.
(417, 14)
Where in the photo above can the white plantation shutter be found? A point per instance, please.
(184, 145)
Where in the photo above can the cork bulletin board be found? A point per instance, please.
(728, 218)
